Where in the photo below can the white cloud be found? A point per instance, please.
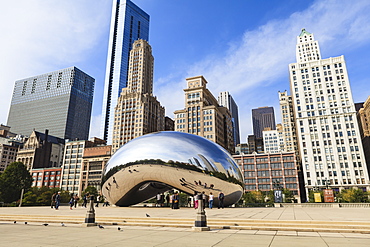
(254, 67)
(40, 36)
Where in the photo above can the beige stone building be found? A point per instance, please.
(93, 163)
(203, 116)
(288, 126)
(363, 117)
(137, 112)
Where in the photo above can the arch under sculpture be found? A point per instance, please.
(161, 161)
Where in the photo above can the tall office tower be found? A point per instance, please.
(226, 100)
(328, 133)
(255, 144)
(203, 116)
(262, 117)
(59, 101)
(364, 121)
(137, 112)
(128, 23)
(289, 133)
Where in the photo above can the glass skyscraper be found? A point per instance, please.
(59, 101)
(263, 117)
(128, 23)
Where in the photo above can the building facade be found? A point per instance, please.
(128, 23)
(93, 163)
(226, 100)
(262, 171)
(363, 116)
(72, 163)
(263, 117)
(41, 150)
(327, 129)
(46, 177)
(272, 141)
(138, 112)
(59, 101)
(255, 144)
(203, 116)
(289, 130)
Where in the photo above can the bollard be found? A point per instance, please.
(200, 223)
(90, 215)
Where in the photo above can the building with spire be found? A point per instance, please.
(128, 23)
(137, 111)
(327, 129)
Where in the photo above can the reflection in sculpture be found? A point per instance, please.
(162, 161)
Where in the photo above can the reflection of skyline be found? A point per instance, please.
(176, 146)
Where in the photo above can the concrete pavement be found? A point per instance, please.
(35, 234)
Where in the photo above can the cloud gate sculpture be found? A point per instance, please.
(161, 161)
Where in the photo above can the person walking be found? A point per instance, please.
(176, 199)
(53, 200)
(195, 199)
(204, 199)
(210, 200)
(221, 198)
(75, 200)
(57, 201)
(97, 201)
(84, 198)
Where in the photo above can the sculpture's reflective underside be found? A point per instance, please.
(167, 160)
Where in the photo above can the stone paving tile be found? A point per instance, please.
(331, 234)
(287, 233)
(283, 241)
(265, 232)
(346, 242)
(308, 234)
(247, 232)
(356, 235)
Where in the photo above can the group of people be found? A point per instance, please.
(169, 199)
(208, 199)
(73, 201)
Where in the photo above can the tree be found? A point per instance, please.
(254, 197)
(289, 196)
(15, 178)
(353, 196)
(91, 190)
(42, 196)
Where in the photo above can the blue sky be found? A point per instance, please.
(240, 46)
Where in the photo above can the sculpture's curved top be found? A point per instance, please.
(172, 146)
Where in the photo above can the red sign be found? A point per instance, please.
(328, 195)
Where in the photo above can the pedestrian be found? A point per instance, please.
(221, 198)
(204, 199)
(75, 200)
(57, 200)
(205, 185)
(158, 204)
(71, 202)
(97, 201)
(210, 200)
(168, 199)
(162, 200)
(195, 199)
(53, 200)
(176, 199)
(84, 198)
(172, 201)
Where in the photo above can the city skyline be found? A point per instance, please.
(245, 50)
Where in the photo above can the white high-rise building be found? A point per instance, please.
(328, 134)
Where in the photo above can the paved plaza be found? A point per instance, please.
(34, 233)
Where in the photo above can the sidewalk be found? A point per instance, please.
(35, 234)
(31, 235)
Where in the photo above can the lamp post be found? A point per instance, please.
(90, 215)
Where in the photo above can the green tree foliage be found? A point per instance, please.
(13, 180)
(254, 197)
(353, 196)
(91, 190)
(288, 195)
(42, 196)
